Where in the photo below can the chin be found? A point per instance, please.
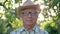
(29, 23)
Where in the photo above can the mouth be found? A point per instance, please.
(29, 20)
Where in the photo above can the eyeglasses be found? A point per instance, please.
(27, 13)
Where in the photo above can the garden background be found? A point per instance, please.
(49, 17)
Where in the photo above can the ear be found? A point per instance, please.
(21, 16)
(37, 15)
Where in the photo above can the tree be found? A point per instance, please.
(9, 20)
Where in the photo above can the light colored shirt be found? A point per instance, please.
(35, 30)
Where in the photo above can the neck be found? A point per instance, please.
(29, 27)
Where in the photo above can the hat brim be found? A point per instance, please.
(22, 8)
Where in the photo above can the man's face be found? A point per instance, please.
(29, 16)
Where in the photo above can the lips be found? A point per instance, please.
(29, 20)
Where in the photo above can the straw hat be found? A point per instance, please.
(28, 4)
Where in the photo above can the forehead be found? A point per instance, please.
(29, 10)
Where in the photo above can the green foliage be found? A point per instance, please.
(17, 23)
(16, 1)
(55, 5)
(9, 20)
(51, 27)
(35, 0)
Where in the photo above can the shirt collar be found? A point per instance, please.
(35, 28)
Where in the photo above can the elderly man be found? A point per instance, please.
(29, 14)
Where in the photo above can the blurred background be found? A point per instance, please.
(49, 17)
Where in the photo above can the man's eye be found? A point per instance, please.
(35, 12)
(29, 12)
(22, 12)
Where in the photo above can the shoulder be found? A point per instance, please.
(38, 29)
(17, 31)
(14, 31)
(43, 31)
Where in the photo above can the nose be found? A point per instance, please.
(29, 15)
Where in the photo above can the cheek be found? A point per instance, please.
(24, 18)
(34, 19)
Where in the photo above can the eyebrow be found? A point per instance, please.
(30, 10)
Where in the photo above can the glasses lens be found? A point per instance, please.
(27, 13)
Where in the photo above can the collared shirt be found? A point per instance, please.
(35, 30)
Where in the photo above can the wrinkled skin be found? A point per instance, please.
(29, 20)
